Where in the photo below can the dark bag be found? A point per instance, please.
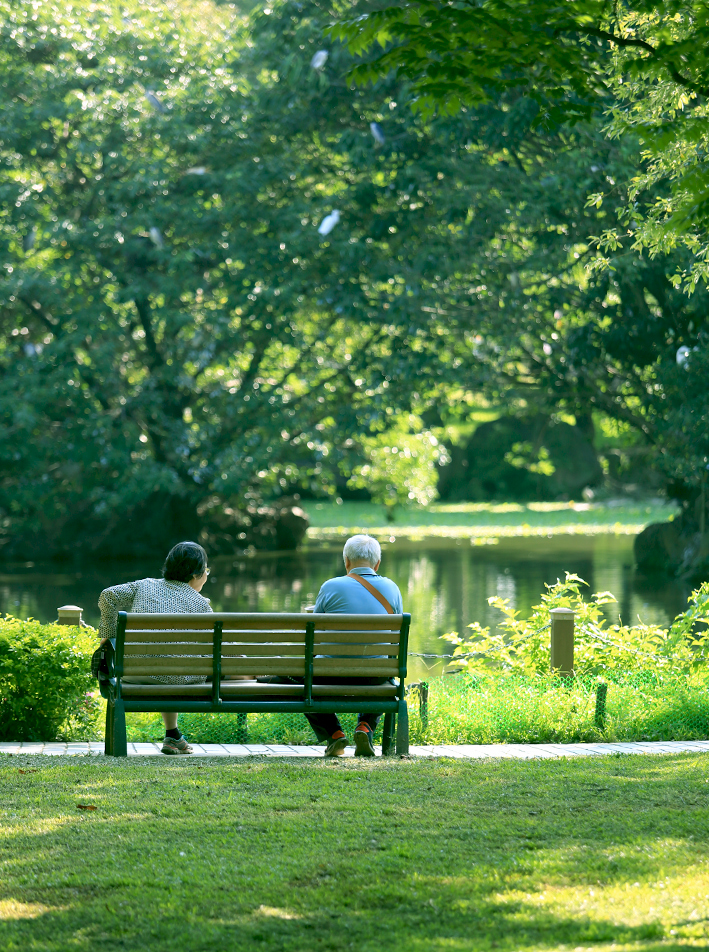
(99, 663)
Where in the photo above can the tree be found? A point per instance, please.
(180, 338)
(181, 341)
(644, 61)
(640, 352)
(401, 466)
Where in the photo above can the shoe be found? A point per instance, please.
(363, 741)
(172, 746)
(336, 747)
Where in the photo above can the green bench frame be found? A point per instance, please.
(396, 722)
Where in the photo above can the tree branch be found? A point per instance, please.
(637, 43)
(142, 306)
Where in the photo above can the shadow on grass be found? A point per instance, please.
(283, 856)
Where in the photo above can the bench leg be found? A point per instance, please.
(402, 728)
(388, 733)
(120, 743)
(108, 742)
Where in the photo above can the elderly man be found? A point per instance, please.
(361, 592)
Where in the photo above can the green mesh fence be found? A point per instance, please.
(236, 728)
(495, 708)
(501, 708)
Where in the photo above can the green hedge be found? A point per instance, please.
(46, 688)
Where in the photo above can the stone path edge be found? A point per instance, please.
(458, 751)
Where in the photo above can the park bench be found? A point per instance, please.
(223, 646)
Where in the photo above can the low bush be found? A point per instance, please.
(522, 645)
(46, 688)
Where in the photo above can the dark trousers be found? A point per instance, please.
(325, 725)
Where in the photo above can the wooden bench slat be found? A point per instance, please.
(374, 667)
(181, 650)
(384, 622)
(228, 651)
(263, 666)
(354, 690)
(357, 638)
(235, 621)
(137, 638)
(253, 689)
(147, 636)
(227, 689)
(139, 668)
(296, 639)
(296, 690)
(205, 637)
(335, 637)
(166, 690)
(341, 668)
(356, 651)
(262, 651)
(156, 621)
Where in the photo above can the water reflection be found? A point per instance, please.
(445, 583)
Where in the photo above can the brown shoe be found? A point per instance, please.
(363, 741)
(172, 746)
(336, 747)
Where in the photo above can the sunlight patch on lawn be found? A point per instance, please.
(12, 909)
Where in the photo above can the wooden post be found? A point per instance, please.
(562, 640)
(423, 704)
(600, 714)
(242, 728)
(70, 615)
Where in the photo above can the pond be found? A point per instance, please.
(445, 583)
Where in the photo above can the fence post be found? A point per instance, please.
(601, 695)
(242, 728)
(70, 615)
(423, 704)
(562, 640)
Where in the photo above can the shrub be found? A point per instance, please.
(46, 688)
(601, 649)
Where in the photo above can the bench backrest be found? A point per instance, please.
(226, 644)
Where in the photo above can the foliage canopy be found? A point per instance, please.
(179, 339)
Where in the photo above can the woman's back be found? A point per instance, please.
(149, 595)
(184, 573)
(152, 596)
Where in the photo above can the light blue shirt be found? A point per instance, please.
(346, 596)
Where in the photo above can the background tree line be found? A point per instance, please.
(182, 347)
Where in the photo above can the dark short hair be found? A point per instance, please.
(184, 561)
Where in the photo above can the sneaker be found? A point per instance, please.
(363, 741)
(172, 746)
(337, 744)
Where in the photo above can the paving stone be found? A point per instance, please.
(458, 751)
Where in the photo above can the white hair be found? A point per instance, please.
(362, 548)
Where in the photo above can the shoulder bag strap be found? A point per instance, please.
(373, 591)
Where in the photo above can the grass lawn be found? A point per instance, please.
(487, 520)
(185, 855)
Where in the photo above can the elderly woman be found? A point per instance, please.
(184, 574)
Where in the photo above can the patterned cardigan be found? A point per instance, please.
(150, 595)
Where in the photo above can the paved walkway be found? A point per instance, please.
(461, 751)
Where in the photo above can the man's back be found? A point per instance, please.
(346, 595)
